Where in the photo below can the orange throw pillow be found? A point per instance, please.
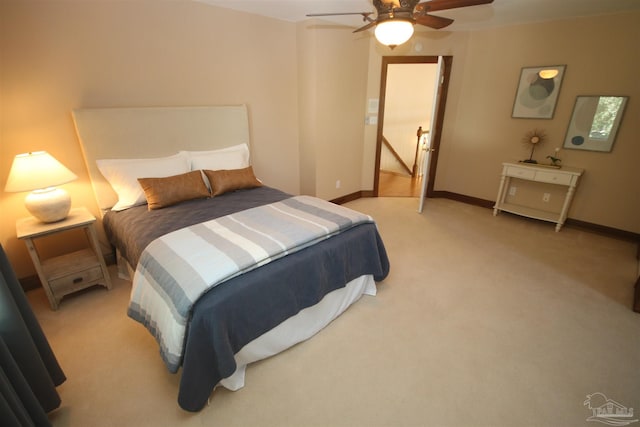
(223, 181)
(163, 192)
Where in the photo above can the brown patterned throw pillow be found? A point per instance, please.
(163, 192)
(223, 181)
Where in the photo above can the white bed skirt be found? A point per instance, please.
(298, 328)
(294, 330)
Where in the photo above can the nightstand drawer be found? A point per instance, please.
(553, 178)
(76, 281)
(517, 172)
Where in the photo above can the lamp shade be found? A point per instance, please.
(394, 32)
(35, 171)
(40, 172)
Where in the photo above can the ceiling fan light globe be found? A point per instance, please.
(394, 32)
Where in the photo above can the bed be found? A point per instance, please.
(301, 262)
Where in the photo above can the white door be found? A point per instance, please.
(434, 113)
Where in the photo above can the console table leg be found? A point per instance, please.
(500, 197)
(565, 207)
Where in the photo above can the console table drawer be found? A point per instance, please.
(553, 178)
(518, 172)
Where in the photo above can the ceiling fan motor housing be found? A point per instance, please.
(395, 9)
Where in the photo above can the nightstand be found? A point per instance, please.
(71, 272)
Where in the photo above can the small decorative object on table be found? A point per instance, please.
(555, 160)
(533, 138)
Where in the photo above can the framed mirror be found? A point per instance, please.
(595, 122)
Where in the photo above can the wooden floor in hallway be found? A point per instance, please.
(392, 184)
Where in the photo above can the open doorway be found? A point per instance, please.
(406, 101)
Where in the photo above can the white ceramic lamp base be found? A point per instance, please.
(49, 205)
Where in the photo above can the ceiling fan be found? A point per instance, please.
(395, 18)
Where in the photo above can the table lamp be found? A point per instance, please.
(41, 172)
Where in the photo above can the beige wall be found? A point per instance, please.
(602, 57)
(58, 56)
(332, 75)
(307, 95)
(341, 61)
(307, 90)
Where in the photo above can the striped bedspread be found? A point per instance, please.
(177, 268)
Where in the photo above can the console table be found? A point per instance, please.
(565, 176)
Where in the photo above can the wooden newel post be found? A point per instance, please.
(415, 158)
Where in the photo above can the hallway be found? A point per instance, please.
(396, 185)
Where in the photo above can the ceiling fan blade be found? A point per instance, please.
(433, 21)
(434, 5)
(366, 27)
(365, 15)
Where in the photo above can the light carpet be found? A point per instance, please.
(483, 321)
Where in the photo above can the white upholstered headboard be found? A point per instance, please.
(120, 133)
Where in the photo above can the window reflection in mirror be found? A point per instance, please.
(604, 118)
(595, 122)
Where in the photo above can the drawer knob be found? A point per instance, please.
(77, 280)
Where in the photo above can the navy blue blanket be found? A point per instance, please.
(256, 302)
(234, 313)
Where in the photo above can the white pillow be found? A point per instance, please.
(123, 175)
(234, 157)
